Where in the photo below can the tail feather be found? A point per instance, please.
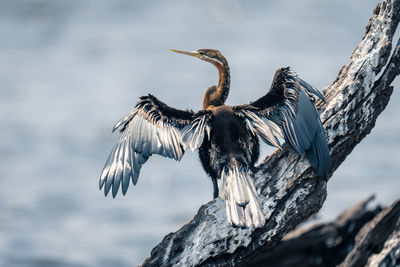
(239, 193)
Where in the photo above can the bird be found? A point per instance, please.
(226, 137)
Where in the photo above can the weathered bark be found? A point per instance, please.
(320, 245)
(289, 190)
(329, 244)
(373, 238)
(389, 255)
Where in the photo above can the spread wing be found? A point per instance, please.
(288, 111)
(152, 127)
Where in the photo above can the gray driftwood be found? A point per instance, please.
(378, 242)
(289, 190)
(358, 237)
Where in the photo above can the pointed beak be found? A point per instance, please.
(193, 54)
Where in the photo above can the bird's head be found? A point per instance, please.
(213, 56)
(214, 95)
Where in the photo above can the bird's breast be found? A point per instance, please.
(227, 130)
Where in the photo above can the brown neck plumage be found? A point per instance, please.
(216, 95)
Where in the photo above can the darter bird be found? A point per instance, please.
(227, 137)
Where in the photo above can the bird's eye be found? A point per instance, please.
(201, 53)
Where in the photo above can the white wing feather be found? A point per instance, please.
(143, 136)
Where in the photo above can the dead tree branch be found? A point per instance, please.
(378, 241)
(370, 234)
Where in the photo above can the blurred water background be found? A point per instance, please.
(70, 69)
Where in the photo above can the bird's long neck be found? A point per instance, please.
(224, 81)
(216, 95)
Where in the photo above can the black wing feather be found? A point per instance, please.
(289, 104)
(156, 110)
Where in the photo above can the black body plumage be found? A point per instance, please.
(227, 137)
